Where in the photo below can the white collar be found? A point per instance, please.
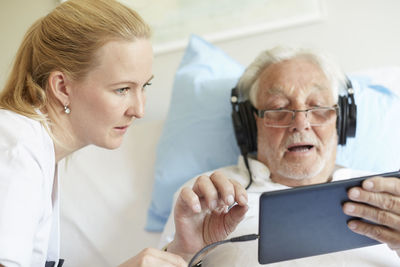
(262, 176)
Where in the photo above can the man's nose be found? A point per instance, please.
(300, 122)
(137, 105)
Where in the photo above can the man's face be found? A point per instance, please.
(299, 154)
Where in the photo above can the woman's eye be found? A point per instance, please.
(146, 85)
(122, 91)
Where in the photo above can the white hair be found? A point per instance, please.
(248, 83)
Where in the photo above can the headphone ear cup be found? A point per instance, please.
(239, 129)
(247, 127)
(339, 120)
(351, 119)
(347, 118)
(251, 126)
(244, 126)
(342, 120)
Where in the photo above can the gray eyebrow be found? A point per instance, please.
(278, 91)
(275, 90)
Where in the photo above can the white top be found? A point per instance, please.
(245, 253)
(29, 214)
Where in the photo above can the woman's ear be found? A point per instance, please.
(58, 87)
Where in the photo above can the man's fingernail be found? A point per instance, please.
(226, 209)
(230, 200)
(368, 185)
(197, 208)
(243, 200)
(350, 208)
(355, 193)
(352, 225)
(213, 204)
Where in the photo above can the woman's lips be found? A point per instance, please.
(121, 128)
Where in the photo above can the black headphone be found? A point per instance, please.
(245, 126)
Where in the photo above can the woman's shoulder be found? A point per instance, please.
(20, 132)
(18, 126)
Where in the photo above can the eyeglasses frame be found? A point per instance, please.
(260, 114)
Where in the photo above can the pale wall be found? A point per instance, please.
(359, 33)
(15, 18)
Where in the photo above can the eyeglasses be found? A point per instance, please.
(282, 118)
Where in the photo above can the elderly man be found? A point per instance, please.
(294, 93)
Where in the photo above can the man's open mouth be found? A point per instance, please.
(300, 148)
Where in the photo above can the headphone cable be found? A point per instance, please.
(241, 238)
(246, 162)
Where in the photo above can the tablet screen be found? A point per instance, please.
(307, 221)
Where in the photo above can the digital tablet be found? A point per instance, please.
(307, 221)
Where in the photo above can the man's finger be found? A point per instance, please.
(240, 193)
(234, 217)
(188, 200)
(382, 200)
(377, 232)
(372, 214)
(205, 188)
(224, 187)
(389, 185)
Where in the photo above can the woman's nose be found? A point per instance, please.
(137, 105)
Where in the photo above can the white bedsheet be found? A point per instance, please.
(104, 199)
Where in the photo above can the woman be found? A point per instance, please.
(79, 78)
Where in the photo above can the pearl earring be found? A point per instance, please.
(67, 110)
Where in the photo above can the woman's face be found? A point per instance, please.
(106, 102)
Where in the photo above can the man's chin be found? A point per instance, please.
(295, 175)
(300, 171)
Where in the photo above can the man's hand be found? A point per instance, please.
(202, 216)
(378, 200)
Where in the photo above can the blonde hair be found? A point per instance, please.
(65, 40)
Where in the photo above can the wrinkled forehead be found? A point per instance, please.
(295, 78)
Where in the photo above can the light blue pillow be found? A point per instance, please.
(377, 141)
(198, 134)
